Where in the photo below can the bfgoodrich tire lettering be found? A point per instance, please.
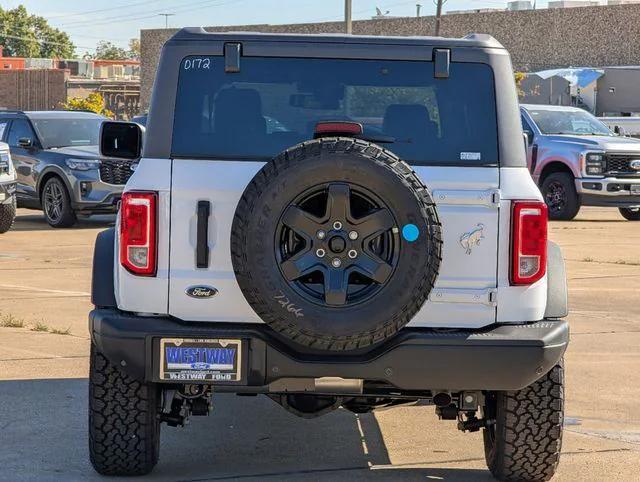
(327, 324)
(124, 427)
(7, 215)
(524, 444)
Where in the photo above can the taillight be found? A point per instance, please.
(138, 232)
(529, 242)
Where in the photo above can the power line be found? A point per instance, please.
(88, 12)
(148, 14)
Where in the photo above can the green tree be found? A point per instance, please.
(108, 51)
(93, 102)
(25, 35)
(134, 49)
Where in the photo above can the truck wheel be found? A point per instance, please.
(524, 443)
(124, 424)
(336, 244)
(559, 191)
(632, 214)
(56, 204)
(7, 215)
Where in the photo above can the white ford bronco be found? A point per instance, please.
(336, 222)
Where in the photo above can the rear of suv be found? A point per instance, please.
(331, 221)
(59, 169)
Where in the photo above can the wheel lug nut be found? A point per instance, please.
(352, 253)
(353, 235)
(320, 253)
(336, 263)
(321, 234)
(337, 225)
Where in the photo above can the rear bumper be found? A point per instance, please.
(506, 357)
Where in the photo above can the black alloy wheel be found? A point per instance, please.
(56, 204)
(336, 244)
(555, 197)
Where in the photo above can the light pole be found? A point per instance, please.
(166, 18)
(439, 4)
(418, 7)
(347, 17)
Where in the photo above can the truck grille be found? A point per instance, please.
(115, 171)
(621, 163)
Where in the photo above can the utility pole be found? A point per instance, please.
(166, 18)
(438, 15)
(347, 17)
(418, 7)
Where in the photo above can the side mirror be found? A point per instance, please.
(25, 142)
(619, 130)
(121, 139)
(529, 135)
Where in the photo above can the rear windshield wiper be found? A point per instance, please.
(377, 138)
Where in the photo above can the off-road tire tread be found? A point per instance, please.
(629, 214)
(69, 217)
(528, 430)
(277, 167)
(124, 430)
(7, 215)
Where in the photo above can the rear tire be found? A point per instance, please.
(56, 204)
(559, 192)
(632, 214)
(524, 444)
(7, 215)
(124, 424)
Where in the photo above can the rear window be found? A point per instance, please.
(275, 103)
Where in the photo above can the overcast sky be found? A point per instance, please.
(88, 21)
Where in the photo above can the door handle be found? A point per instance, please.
(202, 238)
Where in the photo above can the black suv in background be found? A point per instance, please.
(59, 169)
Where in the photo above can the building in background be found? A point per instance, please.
(572, 3)
(44, 84)
(519, 5)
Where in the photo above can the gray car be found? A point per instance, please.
(59, 169)
(577, 161)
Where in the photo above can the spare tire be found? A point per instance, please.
(336, 244)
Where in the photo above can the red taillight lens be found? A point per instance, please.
(336, 128)
(529, 242)
(138, 232)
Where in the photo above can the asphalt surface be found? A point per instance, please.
(44, 281)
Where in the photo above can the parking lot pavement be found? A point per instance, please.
(44, 280)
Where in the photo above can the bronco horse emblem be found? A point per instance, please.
(472, 238)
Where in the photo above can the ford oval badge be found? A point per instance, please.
(201, 291)
(635, 164)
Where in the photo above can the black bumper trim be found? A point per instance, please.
(501, 357)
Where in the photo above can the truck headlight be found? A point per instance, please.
(594, 164)
(83, 164)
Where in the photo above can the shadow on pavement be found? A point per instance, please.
(36, 222)
(43, 433)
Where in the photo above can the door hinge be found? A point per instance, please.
(487, 297)
(490, 198)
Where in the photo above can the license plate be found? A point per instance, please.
(635, 189)
(200, 360)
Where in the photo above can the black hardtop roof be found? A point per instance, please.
(474, 40)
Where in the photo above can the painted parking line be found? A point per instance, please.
(44, 290)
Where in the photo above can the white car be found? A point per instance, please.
(384, 244)
(7, 189)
